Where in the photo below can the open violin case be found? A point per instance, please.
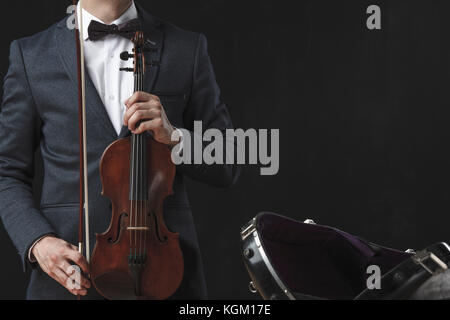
(288, 259)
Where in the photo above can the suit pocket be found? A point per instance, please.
(174, 105)
(59, 205)
(170, 96)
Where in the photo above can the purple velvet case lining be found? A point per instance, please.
(321, 261)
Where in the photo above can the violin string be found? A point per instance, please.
(144, 191)
(138, 183)
(138, 205)
(135, 196)
(136, 177)
(141, 148)
(140, 174)
(134, 190)
(144, 176)
(145, 201)
(146, 198)
(131, 196)
(143, 166)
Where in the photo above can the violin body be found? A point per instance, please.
(137, 257)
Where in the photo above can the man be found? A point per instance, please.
(40, 109)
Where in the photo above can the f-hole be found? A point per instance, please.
(120, 227)
(158, 235)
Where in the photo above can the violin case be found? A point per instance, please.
(293, 260)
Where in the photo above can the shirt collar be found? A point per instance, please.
(129, 14)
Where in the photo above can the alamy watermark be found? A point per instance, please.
(374, 280)
(74, 280)
(231, 146)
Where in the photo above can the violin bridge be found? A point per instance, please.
(138, 228)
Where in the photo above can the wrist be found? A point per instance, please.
(33, 250)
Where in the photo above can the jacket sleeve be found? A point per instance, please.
(205, 105)
(22, 220)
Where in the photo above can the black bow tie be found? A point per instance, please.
(98, 30)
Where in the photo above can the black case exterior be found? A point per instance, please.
(291, 260)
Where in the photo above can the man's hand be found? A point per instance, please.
(146, 109)
(56, 258)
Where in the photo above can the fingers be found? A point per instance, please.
(140, 106)
(142, 115)
(72, 272)
(140, 101)
(54, 257)
(59, 269)
(140, 96)
(61, 277)
(145, 113)
(148, 126)
(78, 259)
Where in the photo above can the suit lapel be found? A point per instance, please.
(94, 105)
(154, 40)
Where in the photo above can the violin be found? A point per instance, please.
(137, 258)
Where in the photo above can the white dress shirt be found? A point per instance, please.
(102, 63)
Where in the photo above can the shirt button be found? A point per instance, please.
(111, 97)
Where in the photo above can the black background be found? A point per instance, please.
(362, 114)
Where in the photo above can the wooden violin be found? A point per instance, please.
(137, 257)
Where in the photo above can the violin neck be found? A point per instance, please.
(138, 159)
(139, 77)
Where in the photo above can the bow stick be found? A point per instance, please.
(83, 235)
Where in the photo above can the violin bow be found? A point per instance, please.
(83, 231)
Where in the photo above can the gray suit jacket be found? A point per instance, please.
(39, 109)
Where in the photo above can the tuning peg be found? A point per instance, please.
(125, 55)
(127, 69)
